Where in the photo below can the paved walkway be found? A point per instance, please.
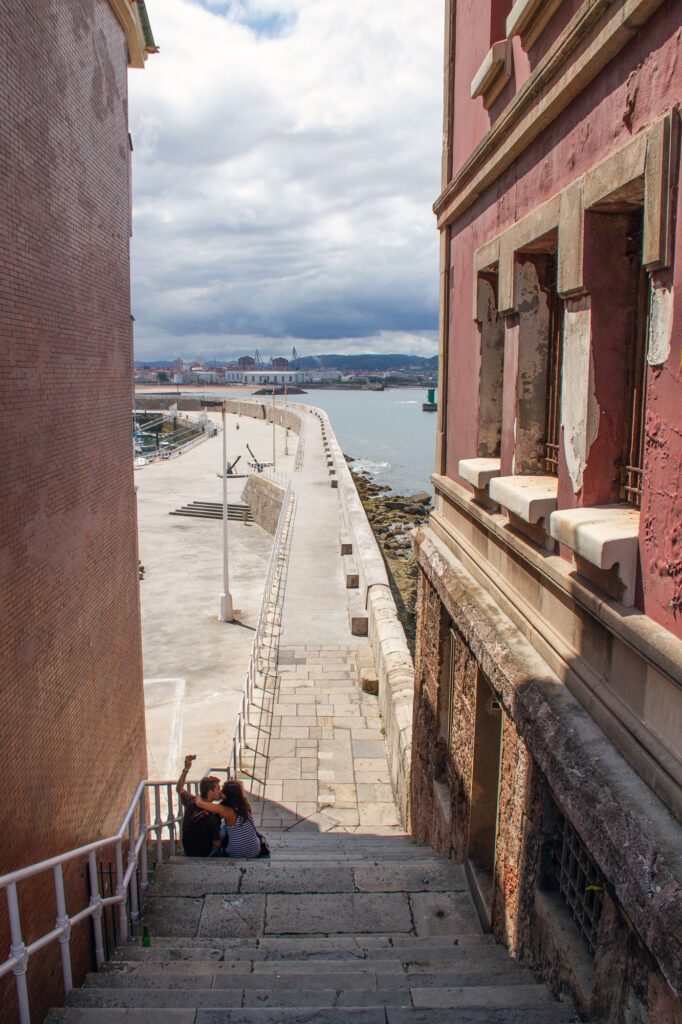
(317, 756)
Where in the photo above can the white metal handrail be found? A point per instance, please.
(239, 738)
(132, 834)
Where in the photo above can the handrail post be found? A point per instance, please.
(64, 925)
(96, 902)
(171, 826)
(18, 949)
(158, 824)
(132, 884)
(144, 881)
(121, 892)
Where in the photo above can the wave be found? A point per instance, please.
(368, 466)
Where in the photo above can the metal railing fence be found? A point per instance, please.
(132, 834)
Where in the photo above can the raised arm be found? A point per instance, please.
(227, 813)
(180, 787)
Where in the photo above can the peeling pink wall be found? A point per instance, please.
(640, 84)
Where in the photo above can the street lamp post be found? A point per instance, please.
(226, 614)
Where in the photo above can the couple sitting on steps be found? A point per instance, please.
(211, 829)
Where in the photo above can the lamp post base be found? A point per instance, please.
(226, 612)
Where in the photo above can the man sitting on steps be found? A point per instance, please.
(200, 829)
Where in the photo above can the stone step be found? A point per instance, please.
(196, 879)
(554, 1014)
(252, 914)
(336, 947)
(297, 975)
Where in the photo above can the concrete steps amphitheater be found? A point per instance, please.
(334, 928)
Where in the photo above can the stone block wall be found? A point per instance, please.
(73, 734)
(552, 760)
(264, 498)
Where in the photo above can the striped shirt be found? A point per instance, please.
(242, 838)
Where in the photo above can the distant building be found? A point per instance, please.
(267, 376)
(73, 737)
(279, 363)
(246, 362)
(547, 750)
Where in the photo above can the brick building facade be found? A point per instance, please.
(548, 689)
(73, 739)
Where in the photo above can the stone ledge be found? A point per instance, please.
(606, 536)
(653, 642)
(531, 498)
(529, 17)
(479, 472)
(494, 73)
(633, 838)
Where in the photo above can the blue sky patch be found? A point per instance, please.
(265, 24)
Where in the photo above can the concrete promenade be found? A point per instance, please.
(316, 757)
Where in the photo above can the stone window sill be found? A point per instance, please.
(606, 536)
(530, 498)
(528, 18)
(479, 472)
(494, 73)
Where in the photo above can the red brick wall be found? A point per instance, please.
(73, 712)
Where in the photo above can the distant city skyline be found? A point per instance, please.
(286, 157)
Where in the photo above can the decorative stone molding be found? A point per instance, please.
(494, 73)
(528, 18)
(531, 498)
(641, 169)
(606, 536)
(595, 34)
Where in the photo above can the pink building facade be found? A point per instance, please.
(548, 703)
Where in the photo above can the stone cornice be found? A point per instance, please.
(591, 39)
(129, 15)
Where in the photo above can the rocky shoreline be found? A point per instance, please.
(392, 518)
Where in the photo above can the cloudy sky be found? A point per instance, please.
(286, 157)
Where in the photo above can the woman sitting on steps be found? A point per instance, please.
(237, 825)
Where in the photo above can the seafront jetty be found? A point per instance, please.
(317, 743)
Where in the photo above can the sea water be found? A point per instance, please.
(385, 432)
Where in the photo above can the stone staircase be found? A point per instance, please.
(336, 927)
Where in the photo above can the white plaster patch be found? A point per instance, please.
(660, 325)
(579, 407)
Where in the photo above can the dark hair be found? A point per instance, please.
(208, 783)
(235, 797)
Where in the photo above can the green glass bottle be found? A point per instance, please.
(146, 941)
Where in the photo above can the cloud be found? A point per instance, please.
(286, 159)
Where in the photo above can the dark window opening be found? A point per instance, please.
(549, 448)
(631, 466)
(569, 870)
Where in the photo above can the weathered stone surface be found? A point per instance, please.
(232, 915)
(170, 915)
(357, 912)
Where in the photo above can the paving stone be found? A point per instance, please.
(291, 879)
(169, 915)
(300, 790)
(444, 914)
(440, 875)
(327, 914)
(224, 916)
(379, 814)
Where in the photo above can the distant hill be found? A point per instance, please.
(347, 364)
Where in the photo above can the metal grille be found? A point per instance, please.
(630, 471)
(549, 451)
(580, 881)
